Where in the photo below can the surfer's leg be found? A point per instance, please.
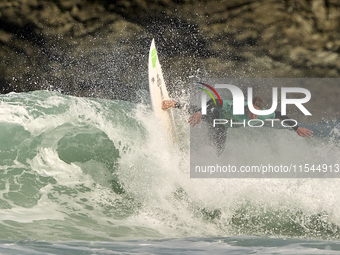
(219, 137)
(218, 134)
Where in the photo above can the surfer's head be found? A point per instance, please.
(258, 105)
(257, 101)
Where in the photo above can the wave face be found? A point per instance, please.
(92, 169)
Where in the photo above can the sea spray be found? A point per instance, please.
(93, 169)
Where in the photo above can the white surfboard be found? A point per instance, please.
(158, 93)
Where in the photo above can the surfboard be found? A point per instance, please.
(158, 93)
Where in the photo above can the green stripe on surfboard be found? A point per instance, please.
(153, 57)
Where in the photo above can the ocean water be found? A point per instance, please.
(94, 176)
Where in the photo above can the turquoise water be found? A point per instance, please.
(93, 176)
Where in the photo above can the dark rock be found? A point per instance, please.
(96, 48)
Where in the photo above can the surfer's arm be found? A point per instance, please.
(301, 131)
(289, 123)
(166, 104)
(197, 116)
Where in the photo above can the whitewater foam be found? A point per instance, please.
(91, 169)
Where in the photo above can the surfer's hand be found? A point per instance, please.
(304, 132)
(195, 119)
(168, 103)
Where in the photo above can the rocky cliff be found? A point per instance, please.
(99, 48)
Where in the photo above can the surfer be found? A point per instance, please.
(219, 132)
